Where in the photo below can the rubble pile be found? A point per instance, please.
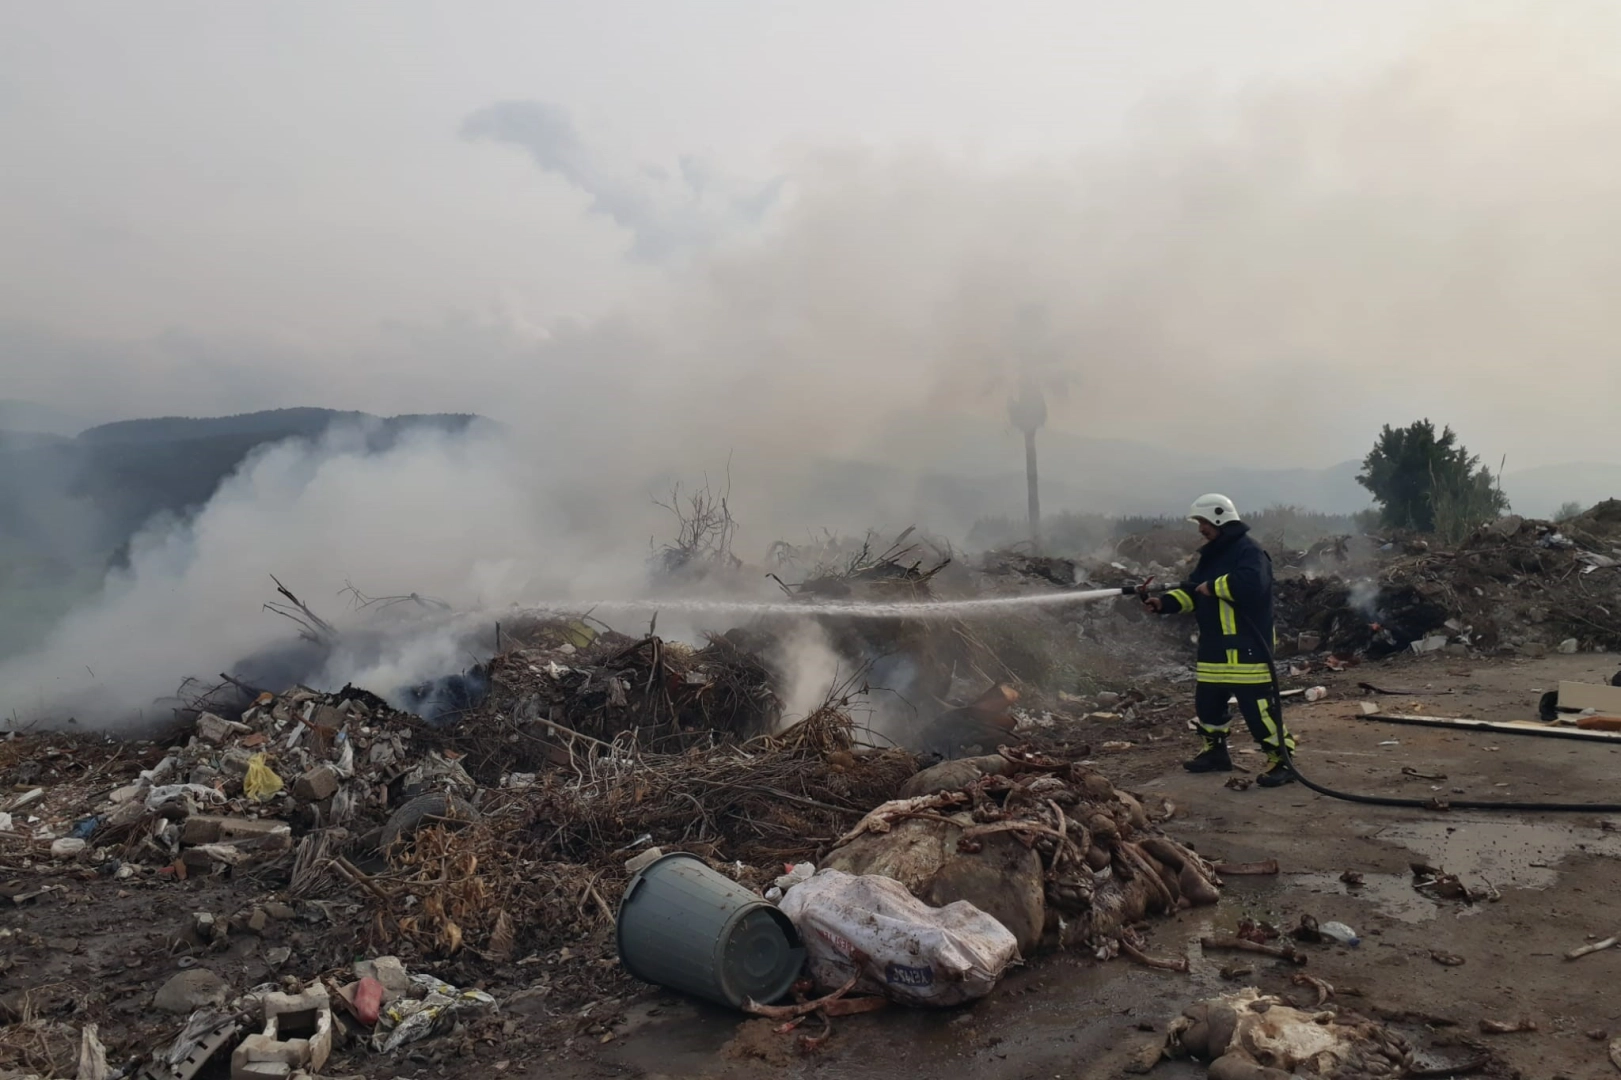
(775, 799)
(1014, 564)
(1249, 1036)
(1514, 584)
(568, 683)
(235, 790)
(1049, 847)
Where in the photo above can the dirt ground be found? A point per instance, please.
(100, 947)
(1070, 1016)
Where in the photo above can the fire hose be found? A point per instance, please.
(1147, 588)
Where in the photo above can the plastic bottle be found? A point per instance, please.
(1338, 931)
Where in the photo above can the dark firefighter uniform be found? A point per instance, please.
(1232, 662)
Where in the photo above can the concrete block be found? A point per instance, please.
(213, 729)
(328, 716)
(235, 761)
(304, 1018)
(319, 783)
(263, 1070)
(387, 970)
(637, 863)
(1595, 696)
(216, 829)
(289, 1053)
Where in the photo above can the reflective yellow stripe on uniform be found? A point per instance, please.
(1234, 674)
(1229, 619)
(1270, 722)
(1222, 587)
(1183, 600)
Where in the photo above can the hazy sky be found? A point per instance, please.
(657, 237)
(1286, 218)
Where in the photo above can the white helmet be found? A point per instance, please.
(1216, 509)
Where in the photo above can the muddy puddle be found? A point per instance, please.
(1509, 854)
(1502, 854)
(1392, 894)
(1051, 1016)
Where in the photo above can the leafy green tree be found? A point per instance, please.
(1429, 482)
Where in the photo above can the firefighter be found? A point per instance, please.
(1230, 594)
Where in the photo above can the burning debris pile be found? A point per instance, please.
(565, 680)
(488, 849)
(1515, 584)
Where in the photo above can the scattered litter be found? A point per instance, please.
(412, 1019)
(1524, 1025)
(1239, 1031)
(68, 847)
(1218, 942)
(1597, 946)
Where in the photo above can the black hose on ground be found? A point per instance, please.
(1385, 800)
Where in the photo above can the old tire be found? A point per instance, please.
(424, 809)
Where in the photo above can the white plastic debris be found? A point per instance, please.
(345, 765)
(1317, 693)
(1338, 931)
(802, 872)
(67, 847)
(170, 792)
(28, 798)
(870, 926)
(160, 772)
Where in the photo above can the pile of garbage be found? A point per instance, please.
(1250, 1036)
(233, 792)
(599, 685)
(1515, 585)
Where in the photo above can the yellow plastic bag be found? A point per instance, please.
(261, 782)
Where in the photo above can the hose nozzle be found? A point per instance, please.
(1147, 588)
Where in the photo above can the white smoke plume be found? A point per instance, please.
(1270, 275)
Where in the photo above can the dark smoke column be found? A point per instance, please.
(1028, 412)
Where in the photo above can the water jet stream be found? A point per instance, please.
(852, 609)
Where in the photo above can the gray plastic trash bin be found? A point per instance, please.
(684, 926)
